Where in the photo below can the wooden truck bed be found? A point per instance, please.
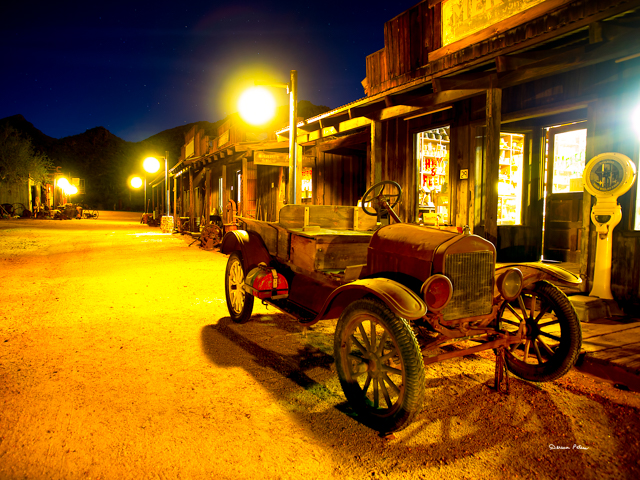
(317, 237)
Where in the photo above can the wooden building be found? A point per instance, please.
(245, 169)
(490, 125)
(485, 113)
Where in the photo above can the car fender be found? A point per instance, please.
(250, 245)
(400, 299)
(534, 272)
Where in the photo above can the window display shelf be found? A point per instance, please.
(510, 178)
(432, 151)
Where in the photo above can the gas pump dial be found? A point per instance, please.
(609, 175)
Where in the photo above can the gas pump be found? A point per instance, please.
(607, 176)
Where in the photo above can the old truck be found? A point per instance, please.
(384, 283)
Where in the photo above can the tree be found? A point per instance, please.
(18, 159)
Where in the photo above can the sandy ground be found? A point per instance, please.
(118, 361)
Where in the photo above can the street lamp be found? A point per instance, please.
(250, 108)
(152, 165)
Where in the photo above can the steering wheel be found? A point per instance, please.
(375, 196)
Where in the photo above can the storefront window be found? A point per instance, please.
(569, 161)
(510, 179)
(433, 175)
(306, 182)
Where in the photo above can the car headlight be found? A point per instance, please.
(510, 284)
(437, 291)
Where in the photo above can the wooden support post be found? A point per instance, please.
(192, 202)
(224, 196)
(493, 119)
(305, 220)
(244, 205)
(460, 161)
(207, 195)
(376, 153)
(175, 201)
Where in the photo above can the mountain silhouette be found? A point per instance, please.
(102, 159)
(106, 162)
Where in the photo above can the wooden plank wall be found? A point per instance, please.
(251, 177)
(412, 35)
(339, 179)
(267, 196)
(397, 164)
(408, 39)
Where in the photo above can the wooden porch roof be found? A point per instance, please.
(576, 34)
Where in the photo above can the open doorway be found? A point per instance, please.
(565, 156)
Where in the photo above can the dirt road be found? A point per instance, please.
(118, 361)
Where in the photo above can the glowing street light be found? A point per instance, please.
(257, 106)
(136, 182)
(63, 183)
(152, 165)
(253, 104)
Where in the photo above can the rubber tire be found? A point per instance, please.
(244, 314)
(568, 349)
(411, 398)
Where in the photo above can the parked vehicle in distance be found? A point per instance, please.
(384, 283)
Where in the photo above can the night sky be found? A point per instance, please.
(137, 68)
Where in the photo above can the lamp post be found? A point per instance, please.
(295, 167)
(152, 165)
(136, 183)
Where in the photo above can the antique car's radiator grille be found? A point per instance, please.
(472, 277)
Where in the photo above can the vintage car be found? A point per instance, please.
(385, 283)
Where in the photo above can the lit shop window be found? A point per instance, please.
(433, 175)
(510, 179)
(569, 161)
(306, 182)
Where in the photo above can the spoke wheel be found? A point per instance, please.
(239, 303)
(379, 364)
(551, 334)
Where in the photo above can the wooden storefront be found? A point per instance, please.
(244, 172)
(470, 129)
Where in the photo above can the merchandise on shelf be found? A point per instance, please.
(510, 178)
(433, 166)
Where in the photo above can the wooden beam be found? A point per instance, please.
(547, 110)
(224, 196)
(355, 123)
(343, 142)
(376, 153)
(625, 44)
(207, 195)
(192, 203)
(245, 190)
(393, 112)
(462, 81)
(493, 120)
